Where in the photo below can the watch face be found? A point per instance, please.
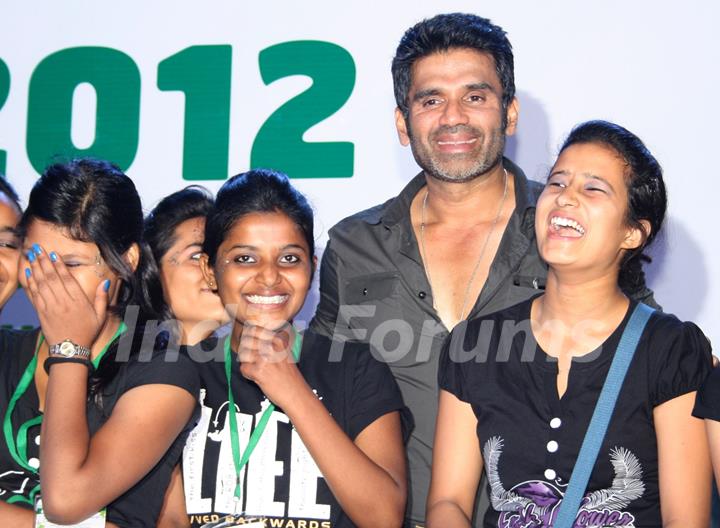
(67, 349)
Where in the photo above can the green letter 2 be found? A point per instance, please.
(4, 91)
(279, 143)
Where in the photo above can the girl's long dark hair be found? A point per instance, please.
(96, 202)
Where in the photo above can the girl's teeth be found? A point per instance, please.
(265, 299)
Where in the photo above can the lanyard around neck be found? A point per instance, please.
(18, 447)
(240, 461)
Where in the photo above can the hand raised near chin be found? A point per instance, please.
(266, 358)
(64, 310)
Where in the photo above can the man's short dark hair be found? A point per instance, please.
(450, 31)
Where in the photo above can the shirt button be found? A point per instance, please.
(555, 423)
(364, 291)
(422, 294)
(550, 474)
(552, 446)
(34, 463)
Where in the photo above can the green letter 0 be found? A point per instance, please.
(202, 73)
(116, 80)
(4, 91)
(279, 143)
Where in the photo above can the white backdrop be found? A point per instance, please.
(650, 66)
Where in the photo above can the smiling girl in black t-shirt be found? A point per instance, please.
(295, 429)
(524, 381)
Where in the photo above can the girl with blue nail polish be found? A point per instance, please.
(84, 381)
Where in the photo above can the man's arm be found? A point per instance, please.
(326, 316)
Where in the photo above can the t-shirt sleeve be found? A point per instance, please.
(707, 402)
(164, 368)
(451, 377)
(680, 356)
(375, 393)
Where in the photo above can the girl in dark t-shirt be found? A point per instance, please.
(519, 387)
(109, 440)
(295, 430)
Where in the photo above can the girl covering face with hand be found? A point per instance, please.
(517, 404)
(106, 417)
(293, 426)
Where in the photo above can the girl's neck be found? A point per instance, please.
(573, 299)
(112, 323)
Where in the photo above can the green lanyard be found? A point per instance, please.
(238, 460)
(18, 448)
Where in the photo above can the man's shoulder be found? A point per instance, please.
(361, 220)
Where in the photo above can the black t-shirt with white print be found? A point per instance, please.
(17, 483)
(140, 506)
(530, 438)
(281, 481)
(707, 403)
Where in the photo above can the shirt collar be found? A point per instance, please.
(398, 208)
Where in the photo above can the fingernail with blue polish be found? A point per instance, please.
(106, 286)
(31, 256)
(28, 272)
(37, 249)
(53, 256)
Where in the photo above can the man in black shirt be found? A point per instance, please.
(458, 241)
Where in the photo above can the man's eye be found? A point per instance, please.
(196, 256)
(476, 98)
(557, 184)
(431, 102)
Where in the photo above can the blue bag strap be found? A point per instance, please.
(601, 417)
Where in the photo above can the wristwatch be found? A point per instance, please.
(69, 349)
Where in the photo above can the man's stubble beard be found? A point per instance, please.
(437, 168)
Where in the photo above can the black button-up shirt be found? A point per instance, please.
(373, 287)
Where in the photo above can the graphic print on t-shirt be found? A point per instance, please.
(536, 503)
(281, 480)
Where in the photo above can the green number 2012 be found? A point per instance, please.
(202, 74)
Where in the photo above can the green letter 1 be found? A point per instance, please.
(202, 73)
(4, 91)
(116, 80)
(279, 143)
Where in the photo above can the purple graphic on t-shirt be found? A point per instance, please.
(535, 503)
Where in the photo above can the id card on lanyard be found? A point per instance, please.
(238, 518)
(17, 443)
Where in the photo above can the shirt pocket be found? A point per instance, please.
(373, 300)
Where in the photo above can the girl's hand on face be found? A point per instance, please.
(64, 310)
(266, 358)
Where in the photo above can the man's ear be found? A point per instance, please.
(208, 272)
(402, 128)
(635, 236)
(512, 113)
(132, 256)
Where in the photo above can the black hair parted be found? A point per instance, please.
(446, 32)
(256, 191)
(647, 196)
(8, 190)
(96, 202)
(194, 201)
